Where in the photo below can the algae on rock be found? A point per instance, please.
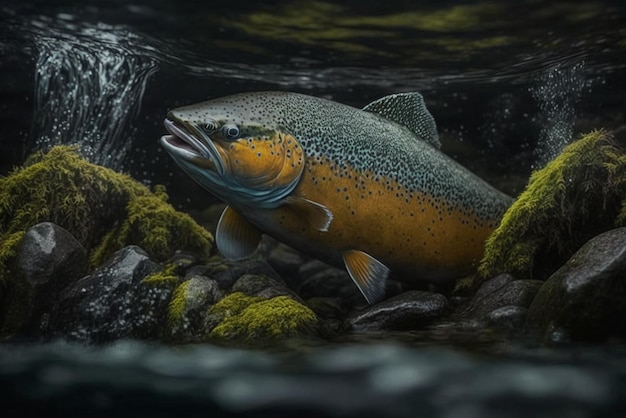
(246, 318)
(575, 197)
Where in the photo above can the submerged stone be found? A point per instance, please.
(500, 293)
(586, 298)
(114, 302)
(50, 259)
(189, 307)
(411, 310)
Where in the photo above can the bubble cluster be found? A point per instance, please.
(89, 82)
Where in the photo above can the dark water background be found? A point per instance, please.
(509, 83)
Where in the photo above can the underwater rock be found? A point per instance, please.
(248, 319)
(574, 197)
(50, 259)
(115, 302)
(262, 286)
(491, 285)
(586, 298)
(499, 293)
(318, 279)
(411, 310)
(226, 272)
(50, 252)
(287, 262)
(189, 307)
(512, 318)
(198, 307)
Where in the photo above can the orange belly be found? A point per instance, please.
(408, 231)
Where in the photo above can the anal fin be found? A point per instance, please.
(236, 238)
(316, 214)
(369, 274)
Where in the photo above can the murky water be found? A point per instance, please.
(509, 83)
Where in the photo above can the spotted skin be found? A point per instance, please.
(391, 193)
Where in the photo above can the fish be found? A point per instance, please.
(366, 189)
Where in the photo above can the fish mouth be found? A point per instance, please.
(184, 145)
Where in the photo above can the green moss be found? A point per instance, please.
(158, 228)
(166, 276)
(573, 198)
(61, 187)
(177, 304)
(251, 318)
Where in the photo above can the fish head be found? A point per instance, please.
(237, 154)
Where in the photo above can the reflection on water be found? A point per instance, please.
(89, 84)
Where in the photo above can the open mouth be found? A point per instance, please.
(186, 146)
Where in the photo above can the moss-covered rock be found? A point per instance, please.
(154, 225)
(574, 197)
(104, 210)
(247, 318)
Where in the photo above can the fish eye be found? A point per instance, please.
(230, 132)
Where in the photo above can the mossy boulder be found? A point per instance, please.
(104, 210)
(578, 195)
(252, 319)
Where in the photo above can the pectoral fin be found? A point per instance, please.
(369, 274)
(235, 237)
(316, 214)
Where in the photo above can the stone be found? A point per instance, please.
(262, 286)
(318, 279)
(189, 307)
(50, 259)
(513, 293)
(115, 302)
(226, 272)
(512, 318)
(411, 310)
(287, 262)
(493, 284)
(585, 300)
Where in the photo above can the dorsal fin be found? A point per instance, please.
(408, 109)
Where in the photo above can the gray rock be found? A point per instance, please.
(287, 262)
(493, 284)
(113, 302)
(200, 293)
(518, 293)
(318, 279)
(586, 298)
(262, 286)
(412, 310)
(512, 318)
(226, 273)
(50, 259)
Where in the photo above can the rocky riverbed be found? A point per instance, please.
(109, 280)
